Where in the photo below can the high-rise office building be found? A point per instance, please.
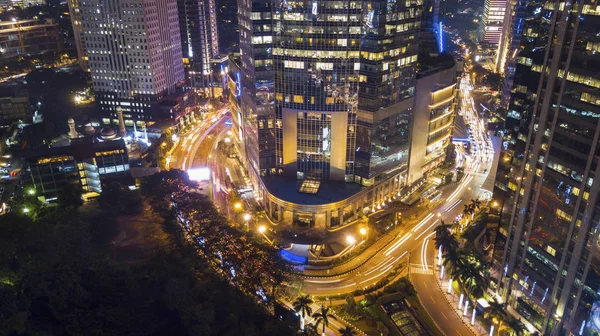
(492, 21)
(199, 40)
(75, 14)
(134, 55)
(520, 18)
(547, 247)
(323, 95)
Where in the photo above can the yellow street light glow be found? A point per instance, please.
(363, 231)
(350, 240)
(237, 205)
(262, 229)
(246, 217)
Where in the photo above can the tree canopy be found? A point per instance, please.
(60, 277)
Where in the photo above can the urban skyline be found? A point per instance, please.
(340, 168)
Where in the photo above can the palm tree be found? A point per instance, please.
(516, 326)
(302, 307)
(496, 311)
(473, 279)
(468, 210)
(348, 331)
(454, 263)
(323, 317)
(444, 239)
(309, 330)
(476, 204)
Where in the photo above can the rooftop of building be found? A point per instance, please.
(80, 149)
(288, 190)
(432, 63)
(172, 98)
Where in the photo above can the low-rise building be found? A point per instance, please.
(28, 37)
(86, 163)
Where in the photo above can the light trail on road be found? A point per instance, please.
(397, 244)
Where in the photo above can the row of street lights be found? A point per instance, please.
(247, 217)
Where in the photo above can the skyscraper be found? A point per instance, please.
(519, 18)
(199, 40)
(134, 55)
(491, 22)
(323, 101)
(546, 182)
(75, 14)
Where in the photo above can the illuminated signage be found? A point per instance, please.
(238, 85)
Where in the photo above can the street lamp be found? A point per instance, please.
(350, 240)
(364, 232)
(25, 211)
(262, 229)
(31, 192)
(247, 219)
(237, 205)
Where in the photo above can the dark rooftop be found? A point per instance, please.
(288, 190)
(431, 64)
(82, 148)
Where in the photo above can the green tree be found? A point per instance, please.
(467, 211)
(70, 196)
(322, 318)
(309, 330)
(302, 307)
(444, 239)
(473, 279)
(496, 312)
(516, 327)
(347, 331)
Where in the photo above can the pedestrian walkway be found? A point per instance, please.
(421, 270)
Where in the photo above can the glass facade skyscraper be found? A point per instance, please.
(332, 86)
(548, 242)
(492, 21)
(322, 97)
(199, 40)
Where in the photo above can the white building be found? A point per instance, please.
(133, 49)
